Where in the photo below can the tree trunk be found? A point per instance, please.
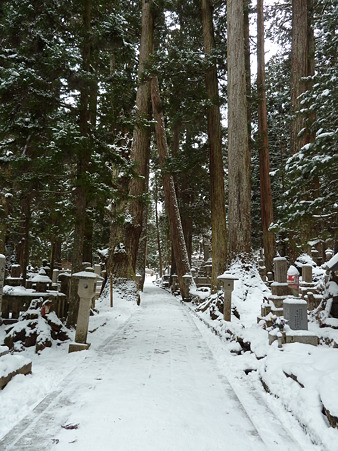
(141, 138)
(264, 166)
(247, 67)
(238, 153)
(158, 233)
(217, 194)
(83, 159)
(176, 231)
(142, 247)
(88, 241)
(302, 65)
(26, 210)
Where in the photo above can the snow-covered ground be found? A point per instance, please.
(157, 378)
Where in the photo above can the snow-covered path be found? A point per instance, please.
(154, 384)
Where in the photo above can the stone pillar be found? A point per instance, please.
(86, 291)
(315, 255)
(2, 278)
(65, 283)
(328, 254)
(206, 250)
(280, 269)
(307, 274)
(139, 281)
(97, 269)
(55, 275)
(15, 270)
(174, 282)
(228, 281)
(187, 282)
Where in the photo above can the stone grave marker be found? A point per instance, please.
(295, 312)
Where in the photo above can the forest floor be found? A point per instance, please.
(154, 378)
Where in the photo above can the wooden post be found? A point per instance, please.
(111, 290)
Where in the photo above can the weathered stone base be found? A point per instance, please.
(21, 365)
(300, 336)
(74, 347)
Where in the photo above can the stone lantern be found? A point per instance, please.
(228, 281)
(187, 279)
(42, 281)
(86, 291)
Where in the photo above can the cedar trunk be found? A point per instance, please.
(238, 153)
(83, 160)
(141, 138)
(217, 193)
(176, 231)
(264, 167)
(158, 233)
(302, 65)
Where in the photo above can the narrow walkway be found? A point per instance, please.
(154, 385)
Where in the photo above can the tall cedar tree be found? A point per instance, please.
(217, 193)
(302, 66)
(83, 161)
(238, 153)
(141, 137)
(264, 166)
(171, 205)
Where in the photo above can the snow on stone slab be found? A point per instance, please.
(4, 350)
(87, 275)
(11, 364)
(296, 301)
(17, 291)
(38, 278)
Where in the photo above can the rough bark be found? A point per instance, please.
(302, 65)
(217, 194)
(83, 159)
(247, 66)
(238, 153)
(264, 166)
(141, 137)
(171, 205)
(142, 246)
(158, 234)
(26, 211)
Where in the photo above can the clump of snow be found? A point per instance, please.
(33, 329)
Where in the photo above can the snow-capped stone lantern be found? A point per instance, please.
(86, 291)
(42, 281)
(293, 277)
(228, 281)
